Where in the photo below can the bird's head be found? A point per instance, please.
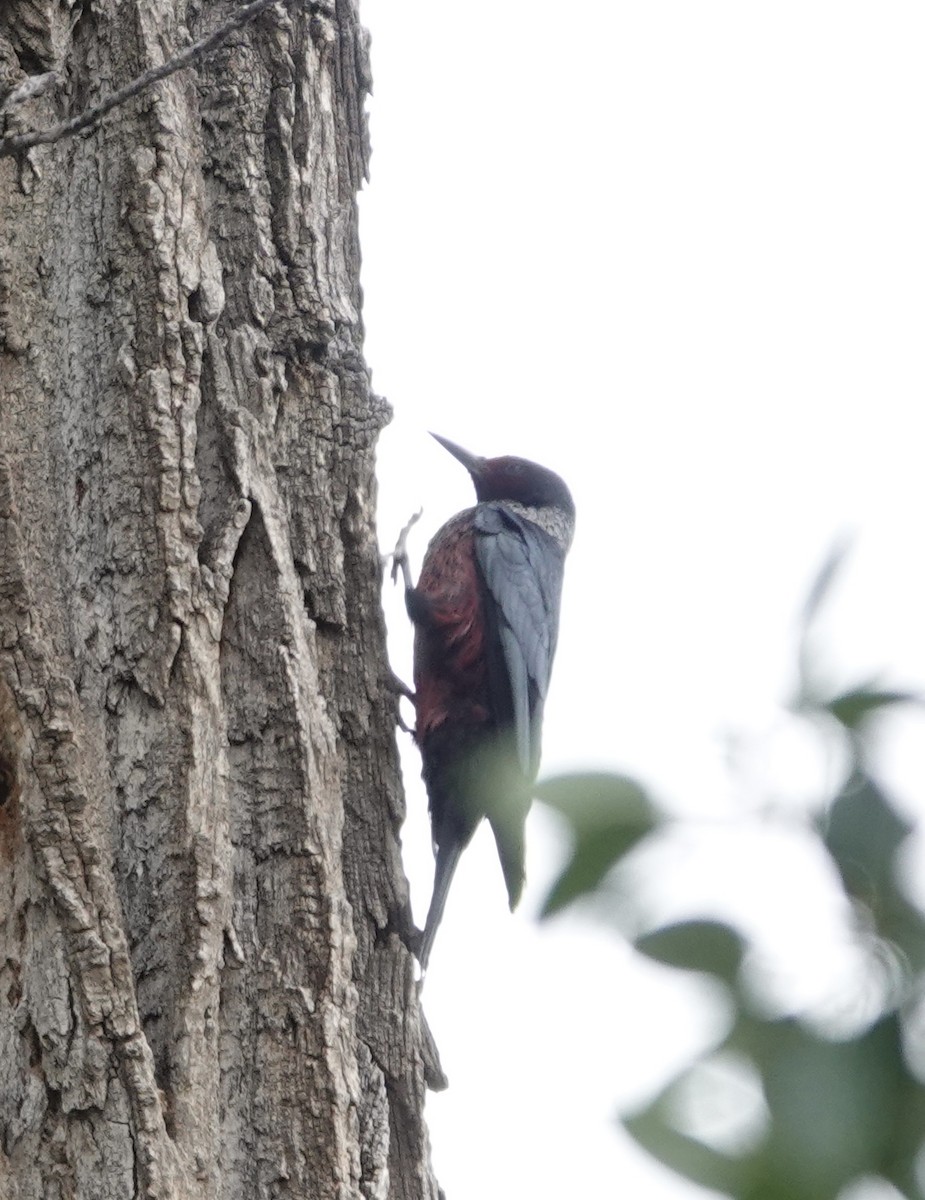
(513, 479)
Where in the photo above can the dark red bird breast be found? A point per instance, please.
(450, 665)
(486, 616)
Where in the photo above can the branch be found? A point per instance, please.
(90, 116)
(32, 85)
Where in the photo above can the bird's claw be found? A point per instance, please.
(400, 553)
(400, 688)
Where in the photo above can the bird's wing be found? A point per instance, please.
(521, 566)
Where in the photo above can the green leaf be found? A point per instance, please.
(708, 946)
(854, 707)
(654, 1130)
(836, 1108)
(822, 584)
(836, 1111)
(810, 681)
(607, 816)
(862, 832)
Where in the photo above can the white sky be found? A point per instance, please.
(675, 251)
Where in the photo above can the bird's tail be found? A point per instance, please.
(507, 825)
(447, 860)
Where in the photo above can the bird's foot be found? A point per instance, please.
(400, 688)
(400, 553)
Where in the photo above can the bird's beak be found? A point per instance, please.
(472, 462)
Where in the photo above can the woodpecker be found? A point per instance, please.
(486, 616)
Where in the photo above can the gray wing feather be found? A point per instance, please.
(522, 568)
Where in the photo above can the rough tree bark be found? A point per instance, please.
(205, 983)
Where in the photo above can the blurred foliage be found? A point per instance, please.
(831, 1109)
(607, 815)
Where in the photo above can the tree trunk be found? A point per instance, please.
(205, 982)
